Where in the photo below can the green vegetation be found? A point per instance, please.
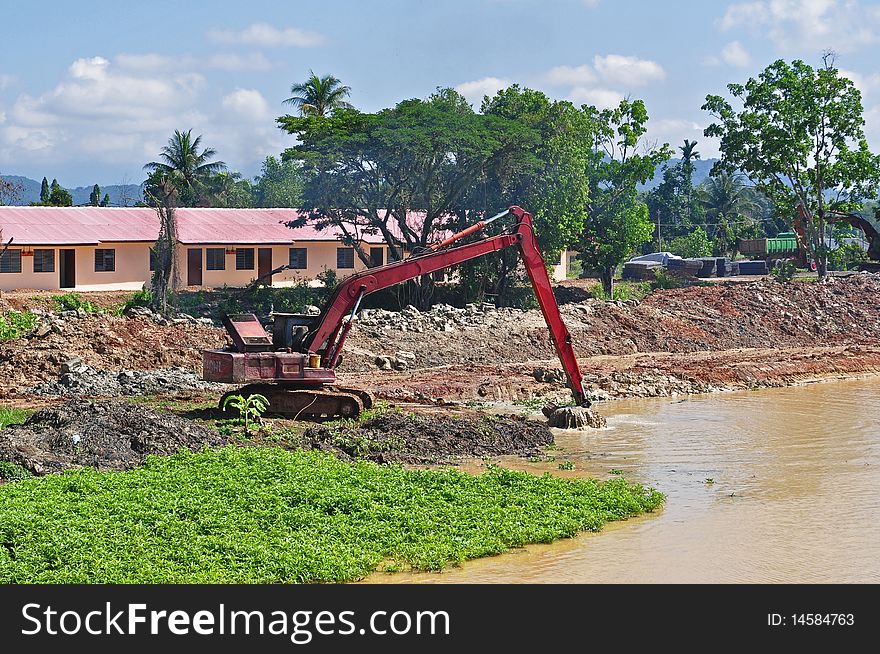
(798, 134)
(663, 280)
(12, 472)
(143, 298)
(73, 302)
(623, 291)
(264, 515)
(783, 271)
(15, 324)
(693, 245)
(249, 408)
(12, 416)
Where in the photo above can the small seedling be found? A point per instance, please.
(615, 471)
(709, 481)
(566, 465)
(249, 408)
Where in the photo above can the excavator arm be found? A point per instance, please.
(331, 330)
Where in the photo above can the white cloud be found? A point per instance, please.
(475, 90)
(628, 71)
(599, 98)
(842, 25)
(5, 81)
(571, 75)
(734, 54)
(233, 62)
(112, 114)
(263, 34)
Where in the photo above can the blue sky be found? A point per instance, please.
(90, 91)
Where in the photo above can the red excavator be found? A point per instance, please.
(294, 367)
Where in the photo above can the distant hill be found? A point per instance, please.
(702, 167)
(120, 195)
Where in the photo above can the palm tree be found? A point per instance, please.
(187, 168)
(728, 195)
(319, 96)
(688, 152)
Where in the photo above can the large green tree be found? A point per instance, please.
(798, 135)
(369, 173)
(279, 184)
(552, 185)
(187, 166)
(95, 196)
(617, 222)
(59, 197)
(319, 96)
(44, 191)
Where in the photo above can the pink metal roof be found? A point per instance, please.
(94, 225)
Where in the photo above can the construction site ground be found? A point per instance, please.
(689, 340)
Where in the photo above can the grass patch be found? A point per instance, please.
(13, 472)
(623, 291)
(15, 324)
(11, 416)
(264, 515)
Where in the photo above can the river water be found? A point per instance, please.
(794, 494)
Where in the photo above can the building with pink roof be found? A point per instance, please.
(109, 248)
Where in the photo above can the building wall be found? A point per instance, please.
(131, 269)
(133, 260)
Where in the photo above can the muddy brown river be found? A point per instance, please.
(777, 485)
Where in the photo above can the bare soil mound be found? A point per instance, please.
(431, 438)
(108, 435)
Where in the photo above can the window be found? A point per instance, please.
(10, 261)
(244, 259)
(44, 261)
(299, 258)
(377, 257)
(215, 259)
(152, 260)
(105, 260)
(345, 257)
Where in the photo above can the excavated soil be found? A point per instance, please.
(431, 438)
(108, 435)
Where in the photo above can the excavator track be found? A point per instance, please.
(325, 403)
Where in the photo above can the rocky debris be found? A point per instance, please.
(440, 318)
(176, 319)
(104, 342)
(549, 375)
(108, 435)
(79, 379)
(431, 438)
(573, 417)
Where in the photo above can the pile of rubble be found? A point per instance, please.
(440, 318)
(79, 379)
(108, 435)
(159, 319)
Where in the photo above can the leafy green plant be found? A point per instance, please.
(709, 481)
(566, 465)
(623, 291)
(695, 244)
(13, 472)
(249, 408)
(142, 298)
(15, 324)
(73, 302)
(783, 271)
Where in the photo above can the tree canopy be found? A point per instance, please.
(319, 96)
(798, 135)
(189, 169)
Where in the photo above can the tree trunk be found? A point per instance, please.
(607, 277)
(821, 254)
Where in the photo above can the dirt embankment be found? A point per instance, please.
(691, 340)
(103, 342)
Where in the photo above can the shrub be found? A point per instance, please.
(143, 298)
(694, 245)
(15, 324)
(12, 472)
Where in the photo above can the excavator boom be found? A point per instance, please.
(295, 369)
